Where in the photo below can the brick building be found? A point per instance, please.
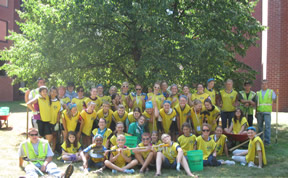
(8, 18)
(269, 59)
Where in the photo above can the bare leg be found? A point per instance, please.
(185, 165)
(49, 138)
(132, 164)
(159, 159)
(147, 161)
(54, 134)
(66, 157)
(139, 157)
(110, 165)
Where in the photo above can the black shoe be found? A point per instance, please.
(69, 171)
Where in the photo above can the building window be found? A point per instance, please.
(3, 30)
(4, 3)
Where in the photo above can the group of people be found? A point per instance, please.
(184, 122)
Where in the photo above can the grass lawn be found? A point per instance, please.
(12, 137)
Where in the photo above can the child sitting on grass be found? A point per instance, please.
(255, 155)
(220, 140)
(187, 140)
(71, 148)
(120, 157)
(90, 155)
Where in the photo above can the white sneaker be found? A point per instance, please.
(228, 162)
(67, 162)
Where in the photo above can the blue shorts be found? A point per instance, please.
(167, 164)
(96, 165)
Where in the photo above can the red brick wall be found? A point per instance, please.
(9, 14)
(253, 55)
(6, 89)
(277, 54)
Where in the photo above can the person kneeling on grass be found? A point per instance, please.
(187, 140)
(71, 148)
(145, 156)
(120, 157)
(89, 155)
(221, 141)
(171, 157)
(39, 153)
(255, 155)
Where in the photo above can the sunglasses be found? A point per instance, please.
(125, 86)
(120, 140)
(33, 135)
(205, 130)
(145, 139)
(138, 89)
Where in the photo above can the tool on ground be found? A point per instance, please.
(35, 167)
(237, 146)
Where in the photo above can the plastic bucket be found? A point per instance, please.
(131, 142)
(195, 160)
(4, 111)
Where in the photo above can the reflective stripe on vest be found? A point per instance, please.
(30, 152)
(250, 97)
(265, 104)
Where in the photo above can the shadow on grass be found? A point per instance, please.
(15, 106)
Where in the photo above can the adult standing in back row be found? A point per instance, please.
(265, 98)
(228, 101)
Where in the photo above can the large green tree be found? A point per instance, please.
(109, 41)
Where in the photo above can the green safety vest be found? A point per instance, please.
(265, 105)
(30, 153)
(250, 97)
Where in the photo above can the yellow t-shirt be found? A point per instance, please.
(237, 125)
(183, 114)
(207, 147)
(97, 101)
(106, 135)
(202, 97)
(107, 117)
(220, 143)
(157, 143)
(145, 153)
(105, 98)
(71, 149)
(197, 120)
(171, 152)
(71, 123)
(124, 102)
(170, 98)
(118, 118)
(131, 118)
(55, 109)
(44, 109)
(213, 116)
(159, 99)
(150, 124)
(252, 152)
(64, 100)
(187, 143)
(228, 99)
(167, 119)
(88, 121)
(79, 103)
(120, 161)
(138, 102)
(212, 95)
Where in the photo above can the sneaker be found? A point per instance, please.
(67, 162)
(69, 171)
(243, 164)
(114, 171)
(228, 162)
(129, 171)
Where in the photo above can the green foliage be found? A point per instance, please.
(111, 41)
